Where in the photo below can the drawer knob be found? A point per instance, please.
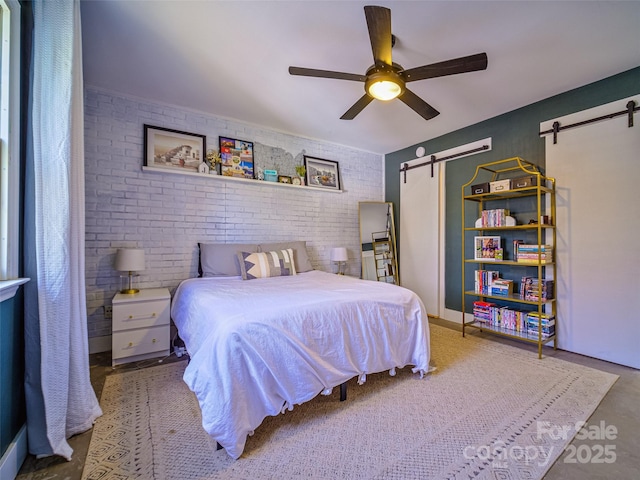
(131, 344)
(153, 314)
(130, 317)
(153, 341)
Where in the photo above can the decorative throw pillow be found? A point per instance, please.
(278, 263)
(300, 255)
(220, 259)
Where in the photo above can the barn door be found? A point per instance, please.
(420, 208)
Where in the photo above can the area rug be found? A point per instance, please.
(488, 411)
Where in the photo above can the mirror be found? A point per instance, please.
(378, 242)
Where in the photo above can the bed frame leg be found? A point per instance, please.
(343, 391)
(218, 446)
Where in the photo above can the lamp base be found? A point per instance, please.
(129, 291)
(126, 284)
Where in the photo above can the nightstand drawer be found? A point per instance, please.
(140, 314)
(131, 343)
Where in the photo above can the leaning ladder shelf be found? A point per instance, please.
(542, 191)
(385, 257)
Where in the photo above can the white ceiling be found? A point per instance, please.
(231, 59)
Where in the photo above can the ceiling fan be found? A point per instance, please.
(386, 80)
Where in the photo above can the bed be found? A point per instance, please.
(259, 347)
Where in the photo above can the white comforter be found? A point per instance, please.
(261, 346)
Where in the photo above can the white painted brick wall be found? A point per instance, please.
(167, 214)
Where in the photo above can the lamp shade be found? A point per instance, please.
(129, 259)
(339, 254)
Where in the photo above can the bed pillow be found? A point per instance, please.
(221, 260)
(300, 255)
(277, 263)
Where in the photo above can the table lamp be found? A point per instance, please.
(129, 260)
(339, 256)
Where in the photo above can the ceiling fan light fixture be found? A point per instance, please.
(384, 90)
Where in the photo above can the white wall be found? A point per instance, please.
(168, 214)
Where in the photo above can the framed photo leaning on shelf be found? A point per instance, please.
(236, 157)
(485, 248)
(173, 149)
(322, 173)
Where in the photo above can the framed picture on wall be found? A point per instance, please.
(173, 149)
(322, 173)
(236, 157)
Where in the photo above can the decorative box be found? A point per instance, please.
(522, 182)
(480, 188)
(271, 175)
(500, 185)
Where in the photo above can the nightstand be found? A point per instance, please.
(140, 328)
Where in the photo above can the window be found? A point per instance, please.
(9, 141)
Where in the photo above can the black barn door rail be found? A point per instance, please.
(631, 109)
(433, 160)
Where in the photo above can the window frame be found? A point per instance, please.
(9, 147)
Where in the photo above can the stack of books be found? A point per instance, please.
(484, 280)
(501, 287)
(482, 311)
(529, 289)
(533, 253)
(502, 317)
(495, 218)
(513, 320)
(535, 320)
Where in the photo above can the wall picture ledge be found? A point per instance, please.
(173, 150)
(322, 173)
(225, 178)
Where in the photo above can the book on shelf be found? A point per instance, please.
(483, 280)
(534, 253)
(500, 317)
(531, 288)
(516, 243)
(545, 324)
(501, 287)
(494, 218)
(482, 311)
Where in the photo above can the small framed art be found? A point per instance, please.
(486, 247)
(322, 173)
(236, 158)
(173, 149)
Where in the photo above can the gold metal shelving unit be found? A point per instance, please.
(545, 204)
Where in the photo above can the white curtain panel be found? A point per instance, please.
(70, 404)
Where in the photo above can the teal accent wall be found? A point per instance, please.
(514, 134)
(12, 400)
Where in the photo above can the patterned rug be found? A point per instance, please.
(489, 411)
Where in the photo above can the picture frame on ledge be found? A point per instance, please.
(236, 158)
(321, 173)
(173, 149)
(485, 248)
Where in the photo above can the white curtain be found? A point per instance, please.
(60, 399)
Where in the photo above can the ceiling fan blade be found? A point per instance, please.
(421, 107)
(357, 107)
(471, 63)
(311, 72)
(379, 24)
